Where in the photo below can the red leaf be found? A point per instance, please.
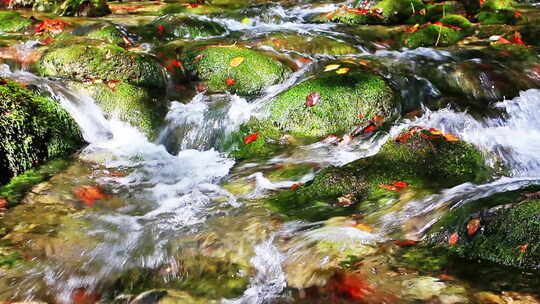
(369, 129)
(3, 203)
(523, 248)
(453, 239)
(353, 285)
(51, 25)
(88, 194)
(313, 99)
(250, 138)
(161, 30)
(201, 87)
(230, 81)
(81, 296)
(502, 40)
(517, 39)
(472, 226)
(400, 184)
(296, 186)
(403, 243)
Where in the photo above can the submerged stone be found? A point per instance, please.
(84, 59)
(312, 45)
(33, 129)
(235, 69)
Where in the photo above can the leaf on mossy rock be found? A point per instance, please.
(230, 81)
(3, 203)
(313, 99)
(250, 138)
(453, 239)
(236, 61)
(472, 226)
(331, 67)
(343, 71)
(51, 26)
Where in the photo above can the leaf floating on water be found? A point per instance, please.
(230, 81)
(353, 285)
(313, 99)
(88, 194)
(453, 239)
(331, 67)
(236, 61)
(472, 226)
(343, 71)
(251, 138)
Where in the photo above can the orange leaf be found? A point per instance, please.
(389, 187)
(450, 137)
(472, 226)
(313, 99)
(88, 194)
(236, 61)
(502, 40)
(378, 118)
(343, 71)
(3, 203)
(296, 186)
(230, 81)
(523, 248)
(250, 138)
(405, 243)
(363, 227)
(453, 239)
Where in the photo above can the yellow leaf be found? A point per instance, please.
(331, 67)
(245, 20)
(363, 227)
(236, 61)
(343, 71)
(450, 137)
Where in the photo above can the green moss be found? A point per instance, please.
(425, 259)
(9, 258)
(513, 51)
(19, 185)
(267, 141)
(497, 17)
(86, 8)
(290, 172)
(33, 129)
(13, 22)
(397, 11)
(171, 27)
(132, 104)
(106, 31)
(497, 4)
(422, 163)
(457, 20)
(432, 35)
(182, 8)
(343, 98)
(436, 11)
(213, 66)
(348, 16)
(506, 224)
(90, 59)
(308, 44)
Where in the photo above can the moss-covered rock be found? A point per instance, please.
(397, 11)
(346, 100)
(308, 44)
(106, 31)
(266, 143)
(214, 65)
(436, 11)
(132, 104)
(171, 27)
(503, 228)
(85, 59)
(86, 8)
(423, 161)
(350, 16)
(502, 16)
(497, 4)
(432, 35)
(13, 22)
(33, 129)
(457, 20)
(183, 8)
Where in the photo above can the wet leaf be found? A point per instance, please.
(472, 226)
(51, 26)
(343, 71)
(523, 248)
(251, 138)
(3, 203)
(389, 187)
(82, 296)
(453, 239)
(160, 30)
(413, 28)
(450, 137)
(236, 61)
(331, 139)
(363, 227)
(378, 118)
(369, 129)
(403, 243)
(517, 39)
(296, 186)
(88, 194)
(230, 81)
(353, 285)
(400, 184)
(201, 87)
(331, 67)
(313, 99)
(245, 20)
(503, 40)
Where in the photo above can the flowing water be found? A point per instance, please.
(169, 222)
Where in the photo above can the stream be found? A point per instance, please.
(180, 214)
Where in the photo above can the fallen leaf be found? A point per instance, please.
(88, 194)
(250, 138)
(363, 227)
(363, 62)
(345, 200)
(370, 128)
(245, 20)
(435, 131)
(503, 40)
(517, 14)
(3, 203)
(236, 61)
(201, 87)
(450, 137)
(523, 248)
(517, 39)
(230, 81)
(199, 57)
(313, 99)
(405, 242)
(453, 239)
(472, 226)
(378, 118)
(352, 285)
(400, 184)
(331, 67)
(51, 26)
(343, 71)
(413, 28)
(296, 186)
(160, 30)
(81, 296)
(345, 140)
(331, 139)
(389, 187)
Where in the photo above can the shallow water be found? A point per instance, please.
(180, 214)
